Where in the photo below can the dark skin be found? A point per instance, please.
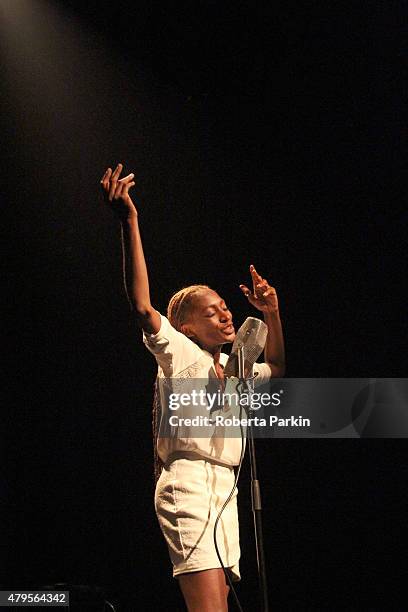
(209, 324)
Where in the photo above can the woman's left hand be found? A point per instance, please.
(264, 296)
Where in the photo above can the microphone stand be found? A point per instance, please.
(255, 497)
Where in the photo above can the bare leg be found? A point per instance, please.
(205, 591)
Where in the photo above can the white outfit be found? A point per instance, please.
(198, 474)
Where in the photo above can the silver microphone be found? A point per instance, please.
(252, 337)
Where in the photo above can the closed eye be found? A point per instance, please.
(211, 314)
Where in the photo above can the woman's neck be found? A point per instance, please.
(214, 350)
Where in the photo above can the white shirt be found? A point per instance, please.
(178, 359)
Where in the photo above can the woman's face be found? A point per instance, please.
(210, 322)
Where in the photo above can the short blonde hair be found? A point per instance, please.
(180, 304)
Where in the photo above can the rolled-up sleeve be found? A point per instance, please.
(262, 373)
(173, 350)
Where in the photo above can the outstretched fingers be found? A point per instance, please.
(114, 181)
(256, 278)
(127, 178)
(117, 171)
(105, 179)
(126, 188)
(245, 290)
(123, 186)
(264, 296)
(261, 286)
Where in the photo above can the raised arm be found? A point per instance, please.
(264, 298)
(116, 195)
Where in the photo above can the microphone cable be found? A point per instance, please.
(237, 473)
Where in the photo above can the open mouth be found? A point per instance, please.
(229, 329)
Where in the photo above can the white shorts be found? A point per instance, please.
(189, 494)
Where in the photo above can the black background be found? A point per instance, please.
(258, 133)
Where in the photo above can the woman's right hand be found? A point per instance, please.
(116, 192)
